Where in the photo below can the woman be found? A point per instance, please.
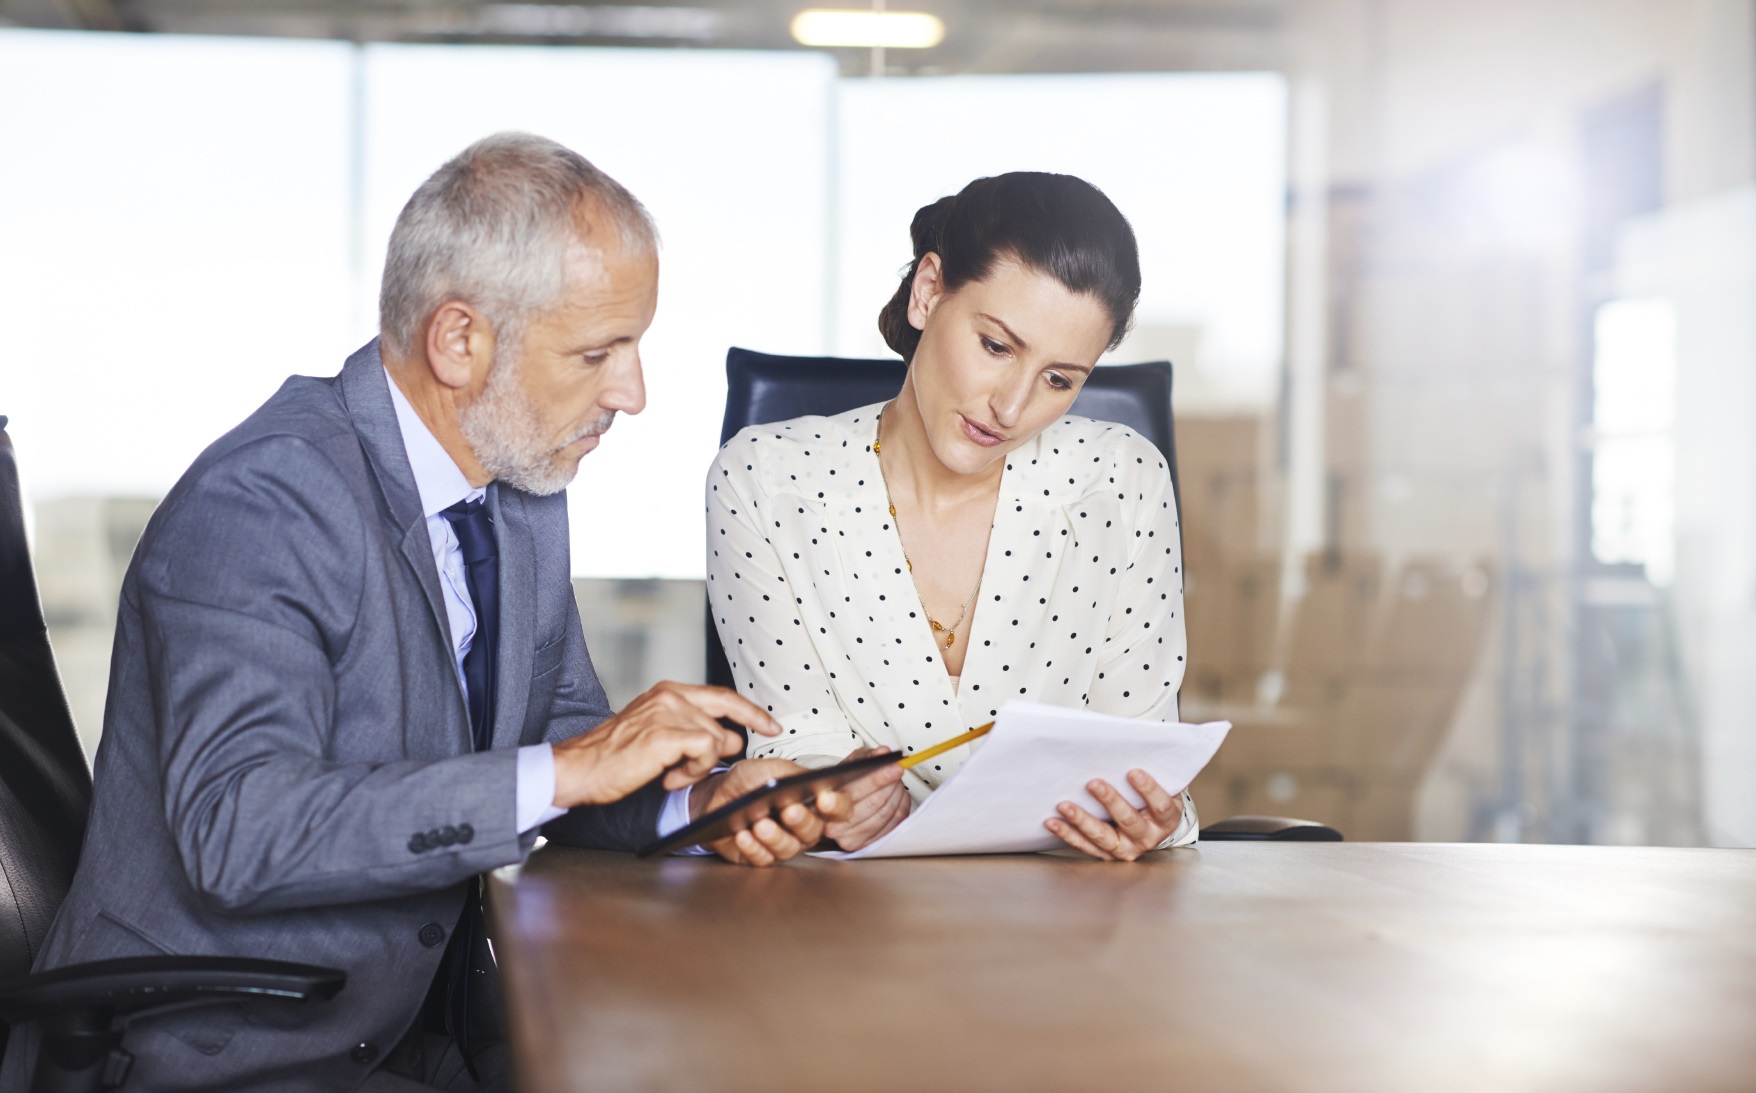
(889, 577)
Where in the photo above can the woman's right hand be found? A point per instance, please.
(878, 802)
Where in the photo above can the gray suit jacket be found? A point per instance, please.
(284, 716)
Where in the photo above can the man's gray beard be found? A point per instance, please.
(502, 429)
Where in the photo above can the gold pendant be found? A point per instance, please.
(950, 638)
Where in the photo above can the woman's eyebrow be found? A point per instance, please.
(1016, 340)
(1022, 344)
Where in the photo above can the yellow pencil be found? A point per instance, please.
(945, 746)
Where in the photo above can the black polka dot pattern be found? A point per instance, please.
(1081, 600)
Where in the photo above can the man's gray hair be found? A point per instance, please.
(495, 227)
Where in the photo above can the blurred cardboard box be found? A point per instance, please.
(1218, 464)
(1433, 620)
(1341, 697)
(1332, 623)
(1308, 794)
(1276, 740)
(1372, 673)
(1232, 613)
(1392, 726)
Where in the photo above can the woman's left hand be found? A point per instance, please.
(1131, 832)
(876, 804)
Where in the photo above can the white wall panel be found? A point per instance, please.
(1701, 256)
(1197, 162)
(173, 244)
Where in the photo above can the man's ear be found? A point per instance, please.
(928, 286)
(460, 345)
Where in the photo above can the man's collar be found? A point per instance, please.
(437, 477)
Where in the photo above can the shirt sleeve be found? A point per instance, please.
(774, 661)
(1140, 669)
(1188, 828)
(536, 794)
(675, 817)
(536, 787)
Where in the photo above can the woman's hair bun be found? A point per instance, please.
(1057, 224)
(925, 230)
(929, 224)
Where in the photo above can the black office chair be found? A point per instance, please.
(45, 795)
(763, 387)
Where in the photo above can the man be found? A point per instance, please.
(349, 674)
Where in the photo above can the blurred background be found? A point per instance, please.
(1459, 297)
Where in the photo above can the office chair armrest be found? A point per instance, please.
(135, 984)
(1278, 828)
(84, 1008)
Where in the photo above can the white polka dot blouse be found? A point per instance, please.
(1081, 599)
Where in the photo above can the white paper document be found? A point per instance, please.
(1035, 758)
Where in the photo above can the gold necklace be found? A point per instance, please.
(950, 632)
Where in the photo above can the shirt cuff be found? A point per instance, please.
(675, 816)
(1188, 828)
(535, 792)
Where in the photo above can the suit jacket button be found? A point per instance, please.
(432, 838)
(432, 934)
(363, 1053)
(418, 843)
(447, 835)
(465, 833)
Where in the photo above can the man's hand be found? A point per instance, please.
(767, 841)
(877, 802)
(672, 730)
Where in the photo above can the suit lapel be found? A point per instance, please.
(517, 612)
(365, 390)
(417, 551)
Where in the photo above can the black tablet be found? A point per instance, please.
(766, 800)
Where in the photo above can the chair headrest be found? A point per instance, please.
(20, 612)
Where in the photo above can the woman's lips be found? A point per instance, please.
(980, 435)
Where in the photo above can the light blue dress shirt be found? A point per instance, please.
(441, 484)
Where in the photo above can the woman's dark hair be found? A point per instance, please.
(1055, 224)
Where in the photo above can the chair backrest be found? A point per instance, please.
(763, 387)
(45, 786)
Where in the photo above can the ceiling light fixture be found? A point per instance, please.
(868, 29)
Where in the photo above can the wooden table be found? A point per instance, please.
(1235, 966)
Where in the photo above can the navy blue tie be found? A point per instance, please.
(481, 571)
